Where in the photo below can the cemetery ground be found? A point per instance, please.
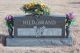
(61, 7)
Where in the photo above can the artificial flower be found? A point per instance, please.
(69, 18)
(35, 8)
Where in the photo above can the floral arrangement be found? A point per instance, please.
(10, 23)
(35, 8)
(69, 18)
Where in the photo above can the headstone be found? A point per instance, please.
(39, 26)
(39, 30)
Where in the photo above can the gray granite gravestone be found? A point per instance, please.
(39, 26)
(39, 30)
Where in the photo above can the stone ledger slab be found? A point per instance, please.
(38, 41)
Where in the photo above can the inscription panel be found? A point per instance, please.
(39, 32)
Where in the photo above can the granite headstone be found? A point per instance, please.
(39, 30)
(39, 26)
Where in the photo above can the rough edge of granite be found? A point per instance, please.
(2, 39)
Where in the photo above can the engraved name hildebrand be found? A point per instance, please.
(33, 22)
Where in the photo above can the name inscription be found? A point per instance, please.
(40, 22)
